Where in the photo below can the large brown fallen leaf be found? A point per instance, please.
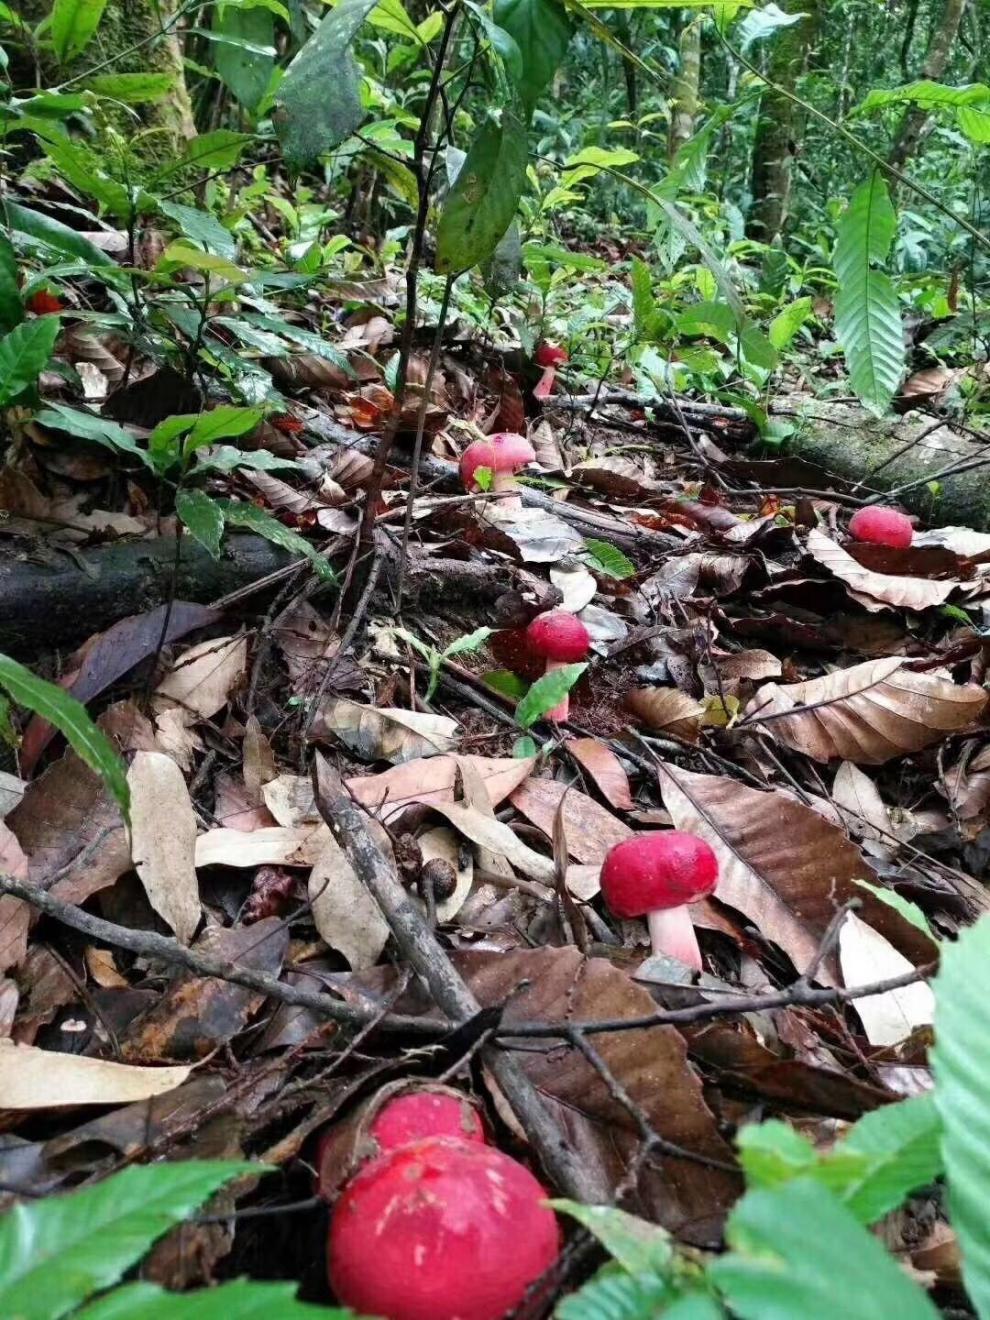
(867, 714)
(203, 677)
(783, 866)
(433, 779)
(163, 841)
(591, 830)
(273, 845)
(42, 1079)
(497, 837)
(667, 710)
(15, 914)
(875, 591)
(605, 769)
(389, 734)
(344, 912)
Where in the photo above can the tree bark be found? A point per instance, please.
(685, 100)
(914, 120)
(778, 130)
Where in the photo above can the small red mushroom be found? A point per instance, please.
(442, 1229)
(561, 639)
(44, 303)
(549, 357)
(419, 1114)
(656, 876)
(479, 454)
(881, 526)
(512, 452)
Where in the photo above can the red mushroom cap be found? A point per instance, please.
(419, 1114)
(551, 355)
(655, 871)
(881, 527)
(442, 1229)
(512, 451)
(559, 636)
(478, 454)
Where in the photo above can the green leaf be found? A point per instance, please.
(73, 24)
(57, 1251)
(98, 429)
(219, 150)
(644, 305)
(472, 641)
(899, 1148)
(221, 423)
(787, 323)
(483, 201)
(203, 518)
(611, 1294)
(181, 255)
(962, 1084)
(523, 748)
(773, 1153)
(506, 682)
(225, 458)
(927, 95)
(241, 1299)
(133, 88)
(162, 447)
(639, 1246)
(501, 272)
(8, 734)
(53, 234)
(202, 228)
(247, 74)
(794, 1246)
(867, 316)
(258, 521)
(908, 910)
(11, 307)
(319, 101)
(546, 693)
(608, 559)
(69, 716)
(542, 31)
(24, 354)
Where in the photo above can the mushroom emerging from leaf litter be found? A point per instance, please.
(561, 639)
(881, 527)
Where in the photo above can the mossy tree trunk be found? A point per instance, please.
(940, 47)
(685, 100)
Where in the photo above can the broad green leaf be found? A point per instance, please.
(974, 121)
(24, 354)
(392, 16)
(11, 307)
(80, 166)
(501, 272)
(927, 95)
(657, 4)
(225, 458)
(538, 254)
(222, 423)
(547, 693)
(899, 1147)
(73, 24)
(713, 319)
(644, 305)
(258, 521)
(53, 234)
(483, 201)
(472, 641)
(219, 150)
(133, 88)
(57, 1251)
(611, 1294)
(181, 255)
(755, 346)
(87, 427)
(505, 681)
(962, 1086)
(608, 559)
(867, 316)
(908, 910)
(639, 1246)
(201, 227)
(799, 1254)
(163, 449)
(246, 73)
(787, 323)
(773, 1153)
(542, 31)
(318, 100)
(203, 518)
(241, 1299)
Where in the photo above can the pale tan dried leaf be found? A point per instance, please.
(869, 713)
(591, 830)
(11, 792)
(175, 738)
(926, 386)
(281, 497)
(102, 968)
(291, 801)
(860, 804)
(498, 838)
(433, 779)
(575, 584)
(389, 734)
(545, 446)
(81, 346)
(782, 865)
(344, 912)
(474, 792)
(677, 580)
(961, 541)
(540, 538)
(967, 787)
(873, 590)
(755, 666)
(259, 760)
(443, 844)
(605, 768)
(15, 914)
(43, 1079)
(350, 469)
(309, 370)
(667, 710)
(274, 846)
(865, 956)
(204, 676)
(163, 841)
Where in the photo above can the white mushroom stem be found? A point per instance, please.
(672, 933)
(559, 713)
(504, 485)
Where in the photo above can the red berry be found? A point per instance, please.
(881, 526)
(44, 303)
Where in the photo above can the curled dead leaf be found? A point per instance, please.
(667, 710)
(875, 591)
(32, 1078)
(389, 734)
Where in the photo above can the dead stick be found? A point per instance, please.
(419, 944)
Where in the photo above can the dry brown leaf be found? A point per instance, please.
(11, 792)
(274, 846)
(667, 710)
(15, 914)
(967, 787)
(344, 912)
(605, 768)
(540, 537)
(861, 806)
(591, 830)
(875, 591)
(388, 734)
(204, 676)
(497, 837)
(865, 956)
(443, 844)
(163, 841)
(545, 446)
(782, 865)
(43, 1079)
(434, 779)
(868, 714)
(754, 666)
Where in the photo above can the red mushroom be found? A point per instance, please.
(561, 639)
(442, 1229)
(419, 1114)
(512, 452)
(881, 526)
(656, 876)
(549, 357)
(479, 454)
